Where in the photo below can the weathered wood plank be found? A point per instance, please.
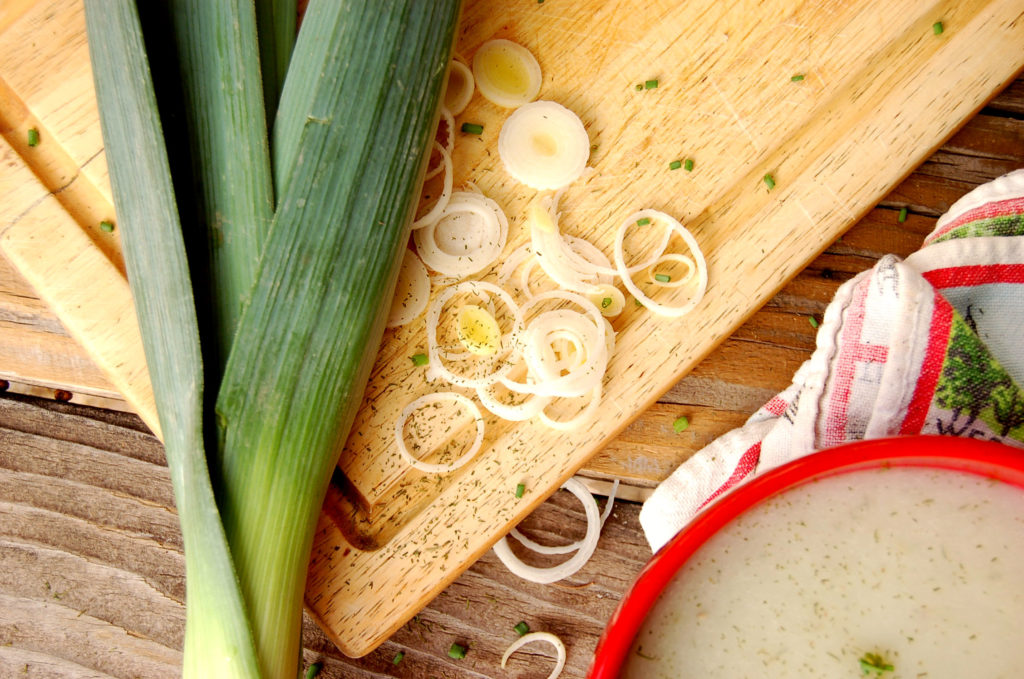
(91, 572)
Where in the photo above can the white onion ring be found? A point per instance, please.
(449, 142)
(427, 399)
(563, 570)
(457, 100)
(544, 145)
(691, 242)
(436, 368)
(579, 381)
(412, 291)
(506, 54)
(539, 636)
(489, 224)
(572, 546)
(691, 270)
(513, 413)
(436, 210)
(577, 420)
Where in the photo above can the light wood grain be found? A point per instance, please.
(881, 90)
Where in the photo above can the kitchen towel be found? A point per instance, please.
(931, 344)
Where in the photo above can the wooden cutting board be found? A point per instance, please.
(880, 89)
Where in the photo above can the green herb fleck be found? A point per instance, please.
(398, 658)
(313, 670)
(675, 165)
(797, 78)
(107, 226)
(650, 84)
(874, 663)
(457, 651)
(903, 215)
(643, 221)
(662, 277)
(472, 128)
(33, 137)
(688, 164)
(520, 489)
(937, 28)
(637, 302)
(813, 321)
(639, 87)
(606, 302)
(769, 181)
(419, 360)
(680, 424)
(521, 628)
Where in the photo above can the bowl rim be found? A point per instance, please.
(983, 458)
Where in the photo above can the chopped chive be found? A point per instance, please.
(643, 221)
(457, 651)
(637, 302)
(688, 164)
(675, 165)
(521, 628)
(813, 321)
(650, 84)
(903, 215)
(797, 78)
(398, 657)
(419, 360)
(680, 424)
(606, 302)
(662, 277)
(937, 28)
(472, 128)
(872, 662)
(520, 489)
(769, 181)
(313, 670)
(33, 137)
(107, 226)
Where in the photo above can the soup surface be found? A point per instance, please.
(917, 572)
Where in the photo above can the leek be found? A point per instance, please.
(350, 157)
(218, 640)
(300, 306)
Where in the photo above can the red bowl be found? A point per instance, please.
(984, 458)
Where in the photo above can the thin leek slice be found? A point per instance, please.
(533, 637)
(468, 236)
(488, 369)
(579, 419)
(412, 292)
(575, 562)
(572, 546)
(427, 400)
(459, 89)
(437, 209)
(544, 145)
(673, 281)
(506, 73)
(448, 122)
(668, 310)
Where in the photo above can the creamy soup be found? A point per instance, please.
(916, 572)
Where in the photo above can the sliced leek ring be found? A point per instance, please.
(412, 292)
(459, 88)
(544, 145)
(506, 73)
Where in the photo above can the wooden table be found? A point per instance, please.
(91, 570)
